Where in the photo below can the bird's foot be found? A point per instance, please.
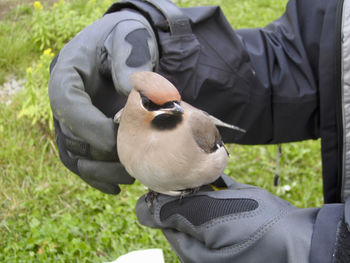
(150, 197)
(187, 192)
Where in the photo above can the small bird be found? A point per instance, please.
(164, 142)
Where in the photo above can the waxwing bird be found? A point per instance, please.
(166, 143)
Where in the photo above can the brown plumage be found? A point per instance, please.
(166, 143)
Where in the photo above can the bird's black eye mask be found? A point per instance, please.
(151, 106)
(164, 121)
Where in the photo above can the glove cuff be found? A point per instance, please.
(69, 161)
(325, 233)
(342, 247)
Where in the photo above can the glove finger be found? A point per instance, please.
(78, 147)
(70, 90)
(189, 249)
(106, 188)
(145, 214)
(132, 47)
(107, 172)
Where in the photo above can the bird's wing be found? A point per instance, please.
(218, 122)
(118, 115)
(204, 132)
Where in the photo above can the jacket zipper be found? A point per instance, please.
(339, 110)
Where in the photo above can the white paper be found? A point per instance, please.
(145, 256)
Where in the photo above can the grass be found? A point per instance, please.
(16, 49)
(48, 214)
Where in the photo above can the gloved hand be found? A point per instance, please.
(242, 223)
(88, 82)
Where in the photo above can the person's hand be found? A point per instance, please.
(240, 223)
(88, 82)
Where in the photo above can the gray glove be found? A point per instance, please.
(88, 83)
(239, 224)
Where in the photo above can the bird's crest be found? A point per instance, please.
(155, 87)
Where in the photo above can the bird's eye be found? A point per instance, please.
(151, 106)
(168, 105)
(148, 104)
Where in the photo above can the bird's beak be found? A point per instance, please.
(175, 110)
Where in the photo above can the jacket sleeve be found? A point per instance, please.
(296, 60)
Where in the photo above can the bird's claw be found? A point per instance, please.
(150, 197)
(187, 192)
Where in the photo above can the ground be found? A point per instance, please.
(11, 84)
(9, 88)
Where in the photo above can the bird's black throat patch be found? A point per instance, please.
(166, 121)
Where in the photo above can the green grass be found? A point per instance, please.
(16, 50)
(48, 214)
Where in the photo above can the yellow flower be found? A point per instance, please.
(38, 5)
(29, 70)
(55, 5)
(48, 51)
